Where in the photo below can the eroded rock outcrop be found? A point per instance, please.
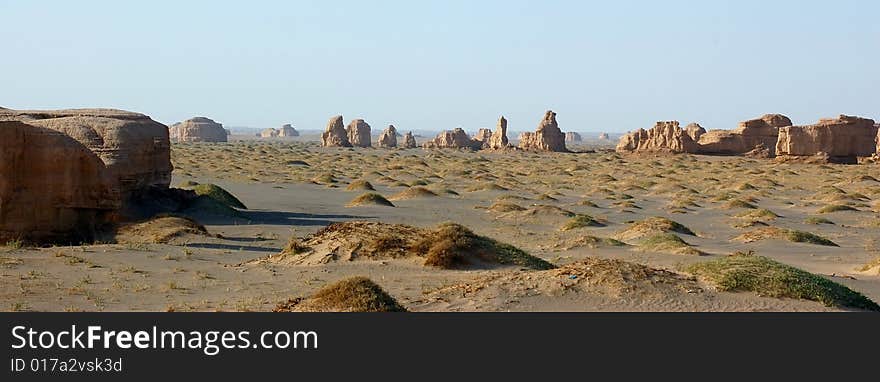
(453, 139)
(664, 137)
(483, 135)
(843, 140)
(548, 136)
(269, 133)
(197, 129)
(572, 136)
(287, 130)
(359, 133)
(135, 149)
(335, 135)
(498, 139)
(750, 135)
(409, 141)
(388, 138)
(695, 131)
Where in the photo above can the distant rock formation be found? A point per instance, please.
(65, 173)
(664, 137)
(287, 130)
(572, 136)
(842, 140)
(695, 131)
(359, 133)
(197, 129)
(483, 136)
(498, 139)
(751, 134)
(335, 135)
(388, 139)
(453, 139)
(604, 137)
(269, 133)
(409, 141)
(548, 136)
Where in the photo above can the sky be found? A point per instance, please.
(609, 66)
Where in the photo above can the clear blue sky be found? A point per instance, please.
(603, 66)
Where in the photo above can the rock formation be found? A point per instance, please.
(572, 136)
(498, 140)
(548, 136)
(197, 129)
(843, 139)
(335, 134)
(483, 136)
(409, 141)
(751, 134)
(388, 139)
(65, 173)
(453, 139)
(695, 131)
(269, 133)
(664, 137)
(287, 131)
(604, 137)
(359, 133)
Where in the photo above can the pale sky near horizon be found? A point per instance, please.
(602, 66)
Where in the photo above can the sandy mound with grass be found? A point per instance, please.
(370, 199)
(159, 230)
(414, 193)
(360, 185)
(449, 245)
(652, 226)
(356, 294)
(768, 233)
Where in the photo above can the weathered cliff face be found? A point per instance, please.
(269, 133)
(135, 149)
(573, 136)
(53, 188)
(388, 139)
(483, 135)
(409, 141)
(198, 129)
(287, 130)
(548, 136)
(453, 139)
(842, 139)
(359, 133)
(335, 135)
(498, 140)
(695, 131)
(750, 135)
(664, 137)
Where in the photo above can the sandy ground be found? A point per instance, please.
(295, 188)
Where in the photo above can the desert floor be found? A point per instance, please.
(294, 188)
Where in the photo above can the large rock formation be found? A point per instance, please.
(548, 136)
(843, 139)
(135, 149)
(197, 129)
(359, 133)
(287, 131)
(498, 140)
(269, 133)
(453, 139)
(335, 134)
(664, 137)
(483, 135)
(65, 173)
(388, 138)
(760, 133)
(409, 141)
(695, 131)
(572, 136)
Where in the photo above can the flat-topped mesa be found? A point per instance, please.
(409, 141)
(548, 136)
(572, 136)
(135, 149)
(840, 140)
(453, 139)
(198, 129)
(269, 133)
(359, 133)
(388, 138)
(498, 140)
(335, 135)
(754, 134)
(287, 130)
(664, 137)
(483, 135)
